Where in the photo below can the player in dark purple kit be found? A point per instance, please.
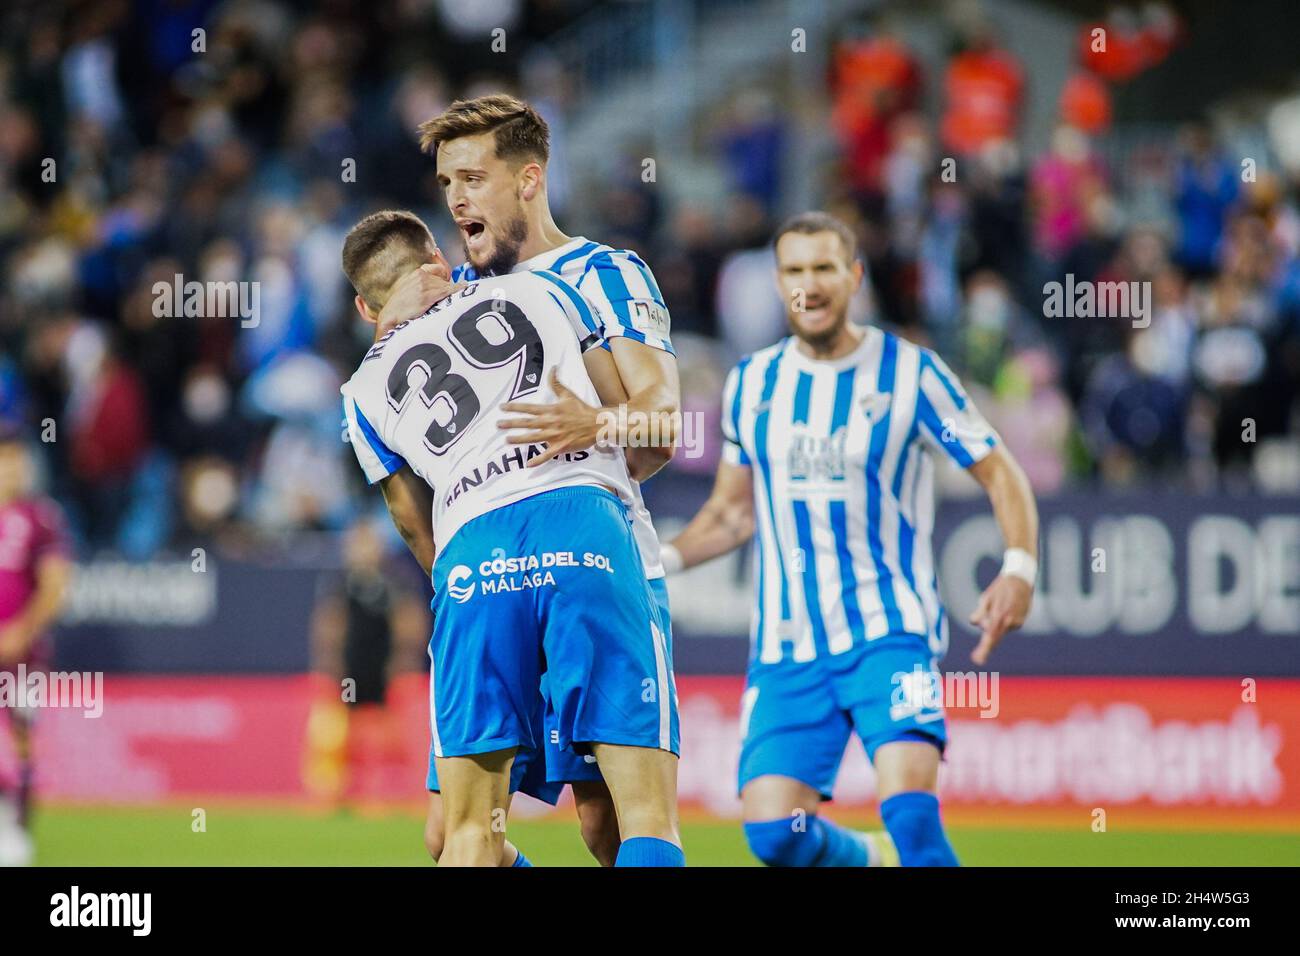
(34, 572)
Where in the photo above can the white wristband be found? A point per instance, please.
(671, 559)
(1019, 563)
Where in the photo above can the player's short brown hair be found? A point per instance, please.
(382, 248)
(808, 223)
(521, 133)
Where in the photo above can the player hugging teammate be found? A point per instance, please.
(558, 673)
(480, 413)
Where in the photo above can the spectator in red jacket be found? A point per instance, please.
(108, 431)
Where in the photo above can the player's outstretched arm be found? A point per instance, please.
(1004, 605)
(724, 523)
(410, 505)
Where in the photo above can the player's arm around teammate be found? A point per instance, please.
(644, 419)
(492, 157)
(410, 504)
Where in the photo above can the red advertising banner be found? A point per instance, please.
(1216, 751)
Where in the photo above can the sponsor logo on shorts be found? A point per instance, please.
(917, 695)
(499, 564)
(460, 593)
(922, 694)
(500, 574)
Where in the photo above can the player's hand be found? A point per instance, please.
(1002, 607)
(567, 424)
(416, 291)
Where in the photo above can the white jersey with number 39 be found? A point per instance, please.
(429, 394)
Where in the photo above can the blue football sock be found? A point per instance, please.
(520, 859)
(649, 851)
(912, 819)
(818, 843)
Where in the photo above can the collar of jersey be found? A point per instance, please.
(844, 361)
(543, 260)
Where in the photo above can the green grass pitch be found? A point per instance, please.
(68, 836)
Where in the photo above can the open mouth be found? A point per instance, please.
(815, 309)
(473, 231)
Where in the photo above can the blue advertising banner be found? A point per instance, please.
(1128, 584)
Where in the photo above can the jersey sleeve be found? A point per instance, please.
(733, 451)
(627, 298)
(377, 460)
(948, 420)
(580, 313)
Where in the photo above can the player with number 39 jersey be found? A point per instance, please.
(534, 564)
(434, 387)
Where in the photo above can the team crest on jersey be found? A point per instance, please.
(875, 405)
(817, 457)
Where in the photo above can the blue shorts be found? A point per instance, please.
(796, 718)
(551, 584)
(544, 775)
(566, 766)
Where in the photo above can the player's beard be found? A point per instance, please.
(505, 249)
(825, 340)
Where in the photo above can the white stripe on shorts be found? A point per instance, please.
(661, 677)
(433, 710)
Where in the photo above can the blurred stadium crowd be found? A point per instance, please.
(232, 164)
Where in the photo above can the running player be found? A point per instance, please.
(536, 568)
(492, 155)
(830, 440)
(34, 573)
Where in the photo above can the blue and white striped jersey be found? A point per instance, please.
(625, 297)
(616, 281)
(842, 460)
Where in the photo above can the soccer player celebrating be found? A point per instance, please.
(392, 255)
(532, 564)
(830, 440)
(492, 155)
(34, 572)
